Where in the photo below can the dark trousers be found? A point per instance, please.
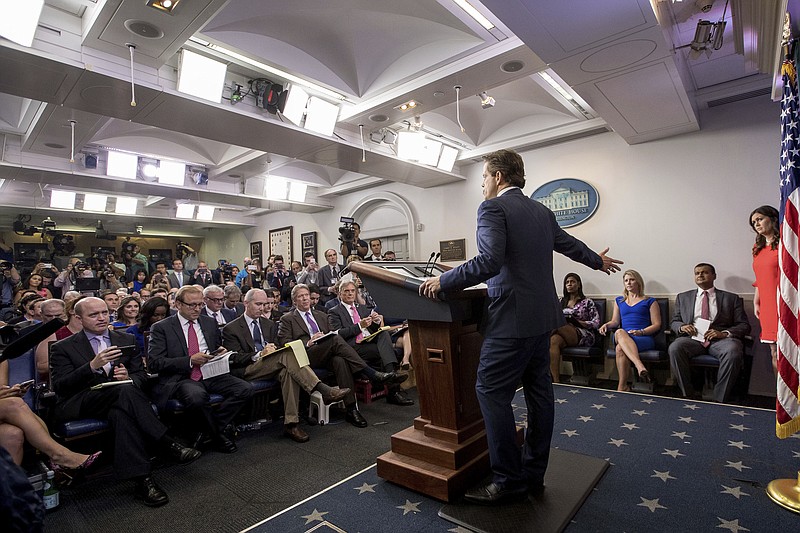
(379, 349)
(340, 358)
(131, 416)
(729, 352)
(195, 395)
(503, 364)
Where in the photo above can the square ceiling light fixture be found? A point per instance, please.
(185, 211)
(416, 146)
(165, 6)
(122, 165)
(448, 158)
(205, 212)
(295, 107)
(321, 116)
(20, 20)
(62, 199)
(201, 76)
(126, 205)
(171, 173)
(278, 188)
(95, 202)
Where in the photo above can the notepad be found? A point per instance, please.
(373, 335)
(299, 352)
(110, 384)
(324, 337)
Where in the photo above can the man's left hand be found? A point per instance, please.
(120, 372)
(713, 334)
(430, 288)
(609, 263)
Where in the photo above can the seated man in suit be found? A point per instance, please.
(333, 353)
(93, 357)
(179, 346)
(252, 337)
(214, 298)
(178, 277)
(728, 324)
(355, 322)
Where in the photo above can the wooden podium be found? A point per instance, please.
(445, 451)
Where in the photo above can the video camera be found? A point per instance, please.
(182, 248)
(347, 232)
(6, 265)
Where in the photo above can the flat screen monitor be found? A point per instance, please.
(87, 284)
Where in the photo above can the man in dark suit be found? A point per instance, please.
(252, 337)
(202, 275)
(179, 346)
(178, 277)
(214, 298)
(728, 323)
(355, 322)
(516, 239)
(329, 275)
(93, 357)
(333, 353)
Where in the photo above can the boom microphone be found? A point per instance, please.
(433, 264)
(427, 263)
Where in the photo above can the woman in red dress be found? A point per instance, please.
(764, 221)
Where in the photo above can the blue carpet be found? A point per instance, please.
(675, 466)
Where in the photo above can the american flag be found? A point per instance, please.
(788, 392)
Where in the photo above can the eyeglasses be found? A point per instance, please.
(215, 300)
(197, 305)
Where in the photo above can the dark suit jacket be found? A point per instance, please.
(516, 238)
(293, 327)
(71, 375)
(203, 281)
(730, 313)
(237, 336)
(169, 354)
(325, 281)
(173, 279)
(228, 314)
(340, 319)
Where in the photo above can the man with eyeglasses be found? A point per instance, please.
(179, 346)
(214, 298)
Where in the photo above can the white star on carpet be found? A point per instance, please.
(314, 516)
(734, 491)
(663, 476)
(459, 529)
(640, 413)
(650, 504)
(795, 455)
(687, 419)
(598, 406)
(795, 436)
(732, 525)
(609, 396)
(561, 400)
(630, 426)
(648, 401)
(618, 442)
(681, 435)
(574, 391)
(585, 418)
(737, 465)
(673, 453)
(740, 413)
(569, 432)
(691, 406)
(410, 507)
(738, 444)
(740, 427)
(366, 487)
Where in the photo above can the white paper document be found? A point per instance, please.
(702, 325)
(217, 366)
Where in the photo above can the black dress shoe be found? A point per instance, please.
(389, 378)
(335, 394)
(294, 432)
(491, 494)
(224, 444)
(356, 418)
(150, 493)
(399, 397)
(181, 454)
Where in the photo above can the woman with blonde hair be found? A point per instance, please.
(638, 318)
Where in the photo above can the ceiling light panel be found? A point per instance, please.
(205, 212)
(126, 205)
(321, 116)
(171, 173)
(95, 202)
(295, 106)
(122, 165)
(19, 20)
(297, 191)
(62, 199)
(276, 188)
(448, 158)
(475, 14)
(185, 211)
(201, 76)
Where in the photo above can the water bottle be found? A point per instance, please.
(51, 494)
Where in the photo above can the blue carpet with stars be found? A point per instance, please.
(675, 466)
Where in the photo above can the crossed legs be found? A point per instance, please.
(627, 353)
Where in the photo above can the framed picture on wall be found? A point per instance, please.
(255, 249)
(309, 243)
(280, 243)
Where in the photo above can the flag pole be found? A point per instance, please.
(786, 493)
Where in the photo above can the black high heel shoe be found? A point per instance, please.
(81, 468)
(644, 375)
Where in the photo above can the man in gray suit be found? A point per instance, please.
(728, 324)
(516, 239)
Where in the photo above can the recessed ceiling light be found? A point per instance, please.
(165, 6)
(406, 106)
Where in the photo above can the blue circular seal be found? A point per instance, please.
(572, 201)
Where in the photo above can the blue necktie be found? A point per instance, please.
(310, 319)
(257, 336)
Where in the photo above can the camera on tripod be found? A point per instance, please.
(347, 232)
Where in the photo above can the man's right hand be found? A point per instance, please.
(200, 358)
(108, 355)
(314, 338)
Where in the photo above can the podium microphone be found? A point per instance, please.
(433, 264)
(427, 263)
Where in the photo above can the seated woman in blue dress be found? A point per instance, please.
(638, 319)
(152, 311)
(582, 322)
